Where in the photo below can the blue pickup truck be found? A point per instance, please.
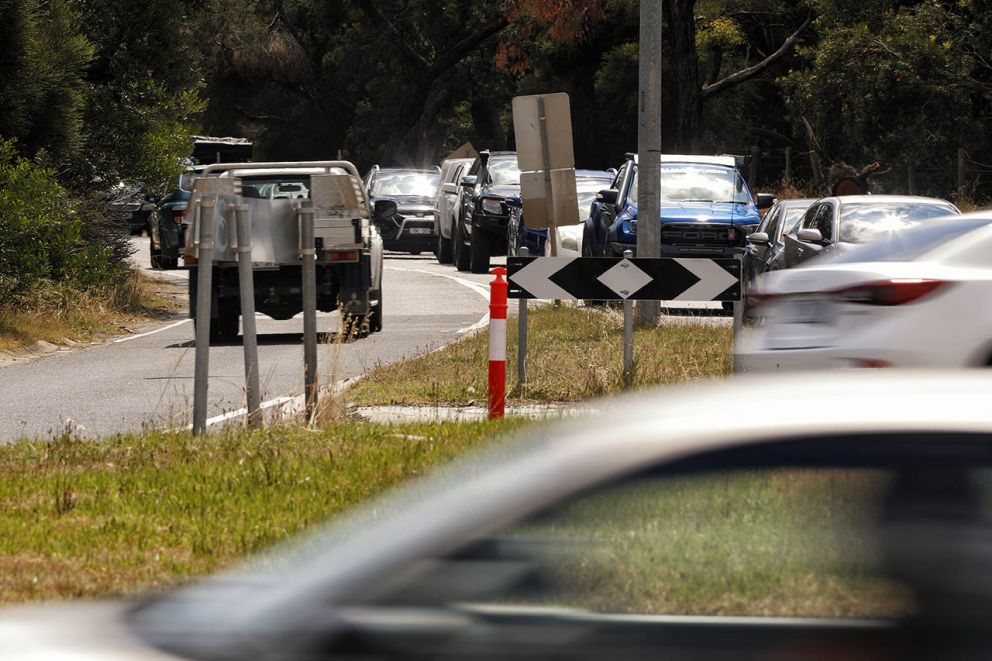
(706, 209)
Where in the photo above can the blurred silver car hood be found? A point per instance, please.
(80, 631)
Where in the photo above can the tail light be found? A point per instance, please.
(344, 256)
(890, 292)
(178, 217)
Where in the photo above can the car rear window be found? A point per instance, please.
(862, 222)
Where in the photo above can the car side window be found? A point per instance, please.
(825, 221)
(809, 218)
(680, 545)
(820, 217)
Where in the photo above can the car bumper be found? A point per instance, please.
(487, 223)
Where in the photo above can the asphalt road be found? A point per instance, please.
(147, 379)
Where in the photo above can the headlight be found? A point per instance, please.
(492, 206)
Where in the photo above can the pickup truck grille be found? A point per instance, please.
(698, 234)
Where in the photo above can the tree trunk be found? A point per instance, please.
(685, 86)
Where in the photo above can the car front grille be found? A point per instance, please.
(698, 234)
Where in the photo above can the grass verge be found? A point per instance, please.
(573, 353)
(59, 313)
(84, 519)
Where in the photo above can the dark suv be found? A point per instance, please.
(480, 232)
(411, 228)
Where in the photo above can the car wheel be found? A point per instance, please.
(375, 316)
(587, 251)
(444, 250)
(479, 250)
(462, 256)
(155, 257)
(169, 263)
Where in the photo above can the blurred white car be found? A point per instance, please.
(917, 298)
(658, 529)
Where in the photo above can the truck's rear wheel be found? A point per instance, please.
(375, 317)
(462, 257)
(480, 251)
(225, 327)
(355, 326)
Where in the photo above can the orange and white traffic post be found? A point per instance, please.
(497, 343)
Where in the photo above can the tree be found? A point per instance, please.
(921, 96)
(690, 89)
(143, 97)
(43, 56)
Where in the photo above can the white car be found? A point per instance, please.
(672, 526)
(920, 298)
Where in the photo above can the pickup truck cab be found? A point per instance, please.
(707, 209)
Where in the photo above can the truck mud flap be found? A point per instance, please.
(355, 282)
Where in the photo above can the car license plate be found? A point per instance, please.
(419, 230)
(808, 311)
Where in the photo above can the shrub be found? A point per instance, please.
(41, 234)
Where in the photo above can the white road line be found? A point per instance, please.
(481, 290)
(157, 330)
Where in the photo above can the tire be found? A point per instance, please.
(462, 257)
(169, 263)
(375, 316)
(587, 251)
(479, 252)
(155, 257)
(225, 327)
(354, 326)
(445, 250)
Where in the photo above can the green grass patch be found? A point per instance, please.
(96, 519)
(573, 353)
(769, 543)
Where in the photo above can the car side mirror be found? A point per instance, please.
(384, 209)
(469, 182)
(609, 196)
(810, 235)
(765, 200)
(449, 188)
(758, 238)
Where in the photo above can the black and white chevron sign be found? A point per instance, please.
(618, 278)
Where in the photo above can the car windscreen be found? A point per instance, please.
(401, 184)
(690, 182)
(911, 244)
(861, 222)
(504, 172)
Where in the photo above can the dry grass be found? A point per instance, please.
(56, 314)
(574, 353)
